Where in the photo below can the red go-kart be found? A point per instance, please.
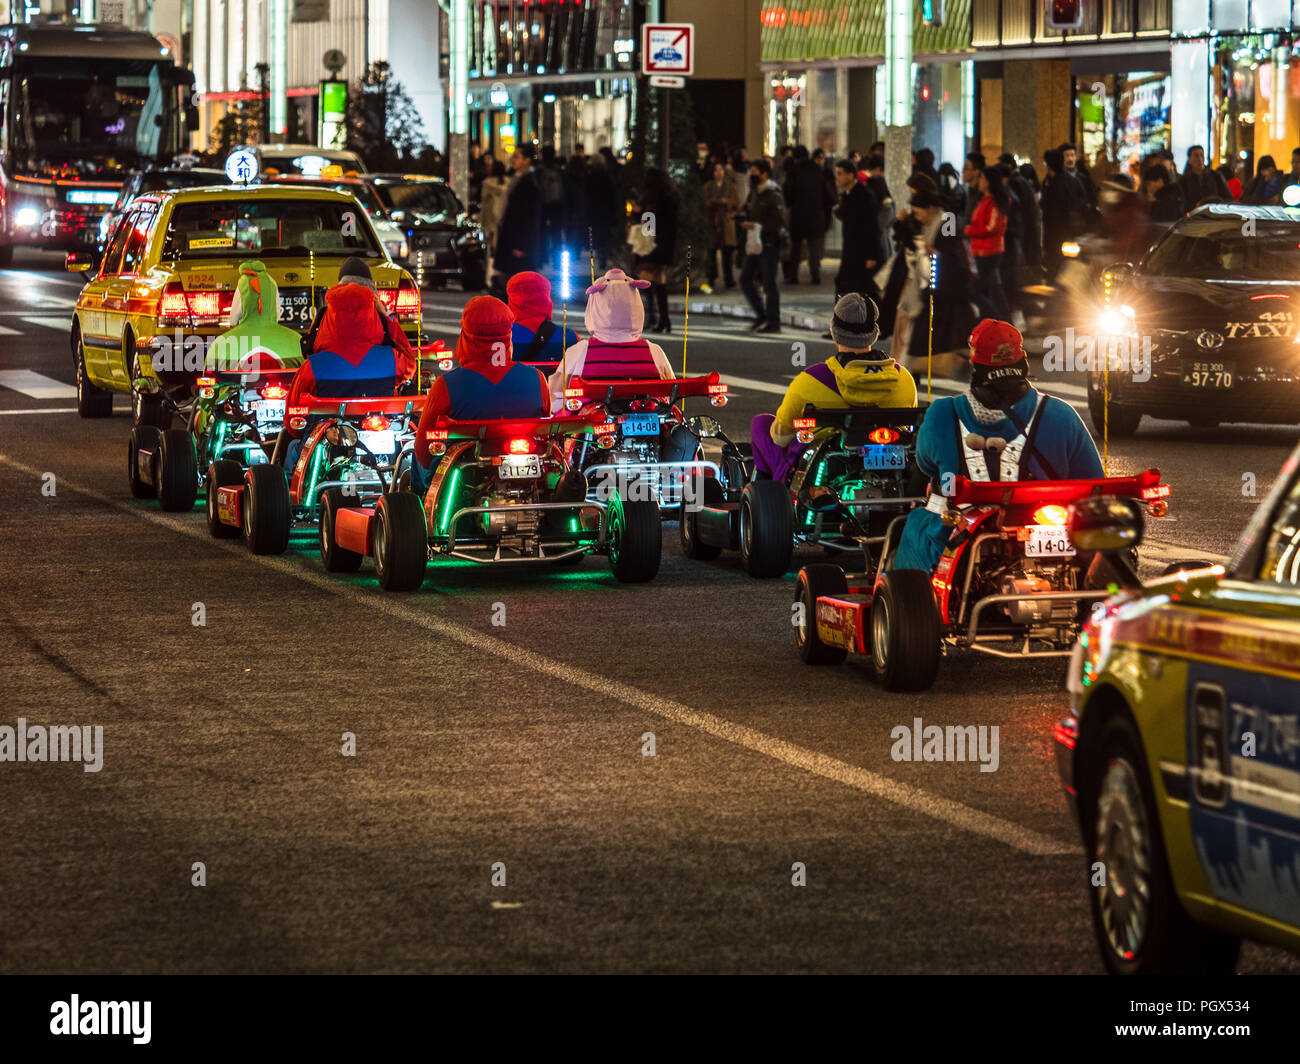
(1010, 583)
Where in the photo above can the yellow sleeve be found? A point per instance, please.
(797, 396)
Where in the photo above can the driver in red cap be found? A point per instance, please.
(1002, 429)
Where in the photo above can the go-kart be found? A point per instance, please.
(851, 480)
(349, 451)
(1010, 583)
(231, 416)
(645, 415)
(492, 499)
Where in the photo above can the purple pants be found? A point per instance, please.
(769, 457)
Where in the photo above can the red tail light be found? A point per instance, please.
(172, 309)
(641, 405)
(521, 445)
(1051, 514)
(408, 301)
(882, 435)
(1158, 491)
(271, 390)
(375, 423)
(805, 423)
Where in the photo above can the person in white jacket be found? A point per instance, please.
(615, 350)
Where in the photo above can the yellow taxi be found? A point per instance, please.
(1181, 754)
(165, 282)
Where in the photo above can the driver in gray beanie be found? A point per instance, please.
(857, 375)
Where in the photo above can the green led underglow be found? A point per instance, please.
(445, 517)
(318, 459)
(220, 440)
(573, 524)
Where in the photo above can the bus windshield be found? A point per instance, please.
(84, 118)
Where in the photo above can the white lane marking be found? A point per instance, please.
(751, 385)
(36, 385)
(914, 799)
(28, 278)
(43, 410)
(1155, 546)
(62, 324)
(6, 331)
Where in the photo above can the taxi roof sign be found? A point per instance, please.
(668, 48)
(241, 166)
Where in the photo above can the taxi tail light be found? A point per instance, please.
(1052, 514)
(403, 302)
(883, 435)
(375, 423)
(172, 308)
(274, 390)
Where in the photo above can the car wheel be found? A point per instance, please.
(766, 528)
(813, 581)
(266, 509)
(905, 631)
(146, 408)
(143, 438)
(92, 401)
(401, 542)
(178, 471)
(1119, 423)
(336, 559)
(1140, 926)
(222, 473)
(635, 540)
(688, 524)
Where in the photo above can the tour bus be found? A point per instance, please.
(81, 106)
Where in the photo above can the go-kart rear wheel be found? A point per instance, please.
(688, 527)
(266, 509)
(401, 542)
(1119, 422)
(143, 438)
(1140, 926)
(177, 471)
(222, 473)
(336, 559)
(635, 540)
(766, 528)
(813, 581)
(905, 631)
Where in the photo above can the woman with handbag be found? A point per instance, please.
(653, 238)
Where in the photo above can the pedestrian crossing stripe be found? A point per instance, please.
(6, 331)
(37, 386)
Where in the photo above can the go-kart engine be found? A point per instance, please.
(1032, 581)
(509, 518)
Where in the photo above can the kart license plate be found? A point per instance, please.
(641, 425)
(884, 456)
(1209, 375)
(295, 306)
(1048, 541)
(378, 443)
(270, 411)
(514, 467)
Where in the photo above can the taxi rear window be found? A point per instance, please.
(268, 228)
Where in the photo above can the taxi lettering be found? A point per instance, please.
(1257, 330)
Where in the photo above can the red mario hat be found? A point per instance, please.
(529, 295)
(996, 343)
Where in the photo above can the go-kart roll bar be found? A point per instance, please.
(1029, 492)
(669, 390)
(865, 417)
(312, 406)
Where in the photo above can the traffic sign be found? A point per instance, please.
(668, 48)
(668, 81)
(241, 166)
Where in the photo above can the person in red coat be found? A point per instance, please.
(987, 232)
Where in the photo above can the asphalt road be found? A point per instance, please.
(519, 746)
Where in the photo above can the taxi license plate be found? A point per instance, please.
(889, 456)
(517, 467)
(269, 410)
(379, 443)
(295, 307)
(1208, 375)
(641, 425)
(1048, 541)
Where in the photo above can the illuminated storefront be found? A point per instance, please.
(560, 72)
